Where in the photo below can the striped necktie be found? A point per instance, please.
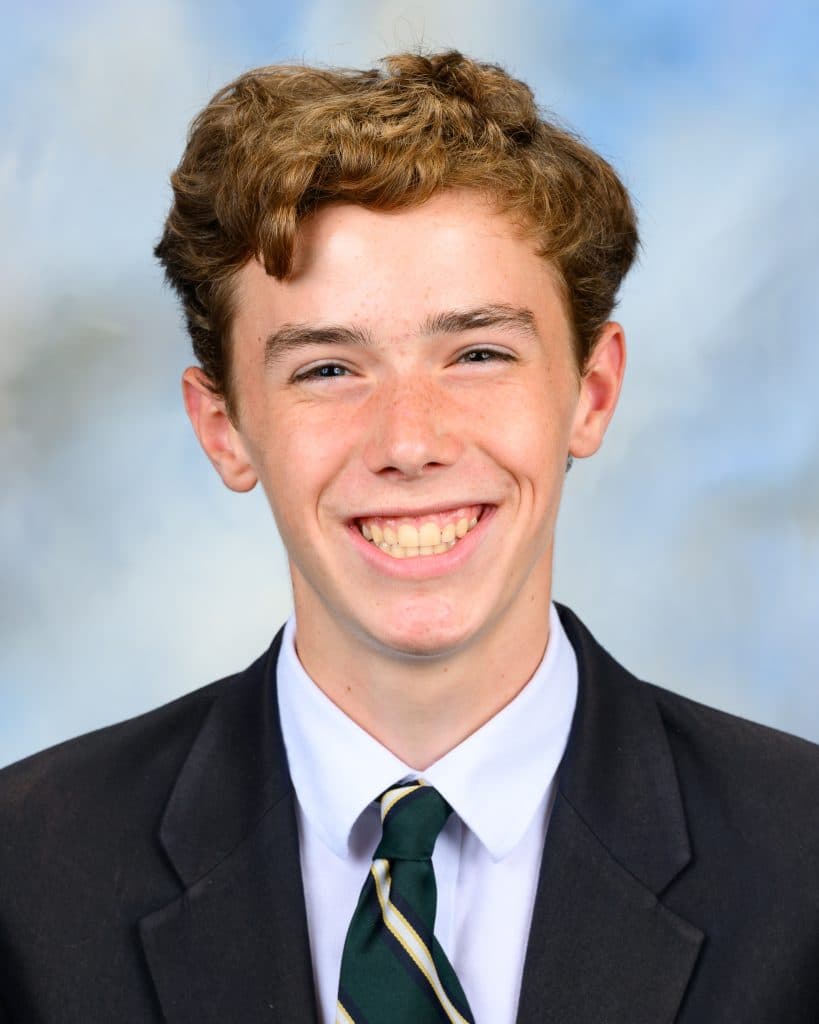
(393, 970)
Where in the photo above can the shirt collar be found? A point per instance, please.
(495, 780)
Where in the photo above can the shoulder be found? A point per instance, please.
(741, 752)
(87, 783)
(753, 778)
(743, 786)
(735, 744)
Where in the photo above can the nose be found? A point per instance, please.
(411, 429)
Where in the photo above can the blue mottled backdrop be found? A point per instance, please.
(690, 544)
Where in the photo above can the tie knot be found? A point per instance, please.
(412, 816)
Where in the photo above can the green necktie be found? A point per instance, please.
(393, 971)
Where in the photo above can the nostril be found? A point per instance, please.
(407, 471)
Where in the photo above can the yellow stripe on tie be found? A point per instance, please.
(342, 1017)
(392, 796)
(410, 940)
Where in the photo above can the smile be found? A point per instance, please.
(420, 536)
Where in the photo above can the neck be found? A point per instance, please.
(420, 708)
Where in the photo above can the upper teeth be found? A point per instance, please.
(404, 539)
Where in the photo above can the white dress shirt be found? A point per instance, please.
(500, 784)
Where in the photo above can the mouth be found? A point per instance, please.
(420, 536)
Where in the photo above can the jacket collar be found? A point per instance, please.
(602, 944)
(618, 770)
(234, 945)
(235, 772)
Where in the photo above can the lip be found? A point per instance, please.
(418, 513)
(427, 566)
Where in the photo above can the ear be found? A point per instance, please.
(219, 438)
(599, 390)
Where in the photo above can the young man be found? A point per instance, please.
(435, 798)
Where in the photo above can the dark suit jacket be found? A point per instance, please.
(150, 871)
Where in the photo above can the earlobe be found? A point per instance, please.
(217, 435)
(599, 391)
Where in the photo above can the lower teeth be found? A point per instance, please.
(397, 551)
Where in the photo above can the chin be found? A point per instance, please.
(422, 636)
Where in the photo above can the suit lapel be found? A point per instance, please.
(603, 947)
(234, 945)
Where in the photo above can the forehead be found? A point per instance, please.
(358, 265)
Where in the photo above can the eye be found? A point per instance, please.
(485, 355)
(324, 372)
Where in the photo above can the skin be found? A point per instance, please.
(420, 657)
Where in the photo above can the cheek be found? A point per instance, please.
(530, 431)
(532, 447)
(299, 463)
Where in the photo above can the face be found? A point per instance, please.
(408, 399)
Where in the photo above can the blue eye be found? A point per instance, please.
(326, 372)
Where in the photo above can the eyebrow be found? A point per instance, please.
(499, 315)
(454, 321)
(294, 336)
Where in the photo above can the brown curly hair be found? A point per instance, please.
(279, 141)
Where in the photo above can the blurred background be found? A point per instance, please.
(689, 544)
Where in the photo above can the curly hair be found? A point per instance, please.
(279, 141)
